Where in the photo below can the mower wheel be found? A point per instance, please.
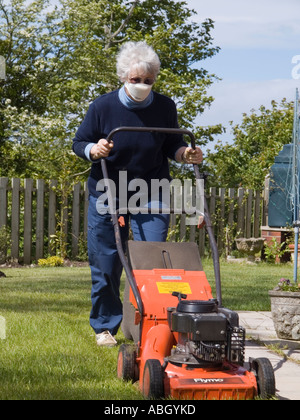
(264, 373)
(153, 380)
(127, 363)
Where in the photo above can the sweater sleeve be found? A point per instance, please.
(173, 141)
(88, 132)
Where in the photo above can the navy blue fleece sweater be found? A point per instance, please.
(142, 155)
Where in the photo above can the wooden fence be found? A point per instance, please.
(40, 218)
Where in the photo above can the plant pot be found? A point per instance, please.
(285, 308)
(292, 251)
(249, 246)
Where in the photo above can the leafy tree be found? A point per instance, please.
(60, 58)
(256, 143)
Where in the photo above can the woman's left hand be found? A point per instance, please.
(193, 156)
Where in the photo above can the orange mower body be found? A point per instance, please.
(180, 353)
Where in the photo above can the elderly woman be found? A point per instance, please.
(142, 155)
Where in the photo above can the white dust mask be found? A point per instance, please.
(138, 91)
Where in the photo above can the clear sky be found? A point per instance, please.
(259, 39)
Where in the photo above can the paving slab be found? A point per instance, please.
(260, 333)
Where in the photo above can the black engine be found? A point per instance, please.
(206, 333)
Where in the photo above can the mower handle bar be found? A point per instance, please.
(154, 130)
(208, 224)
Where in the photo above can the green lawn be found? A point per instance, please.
(49, 351)
(245, 287)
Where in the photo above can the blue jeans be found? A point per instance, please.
(105, 264)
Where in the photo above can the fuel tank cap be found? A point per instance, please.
(197, 306)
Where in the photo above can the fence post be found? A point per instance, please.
(231, 198)
(249, 213)
(257, 213)
(212, 206)
(76, 219)
(182, 230)
(221, 231)
(3, 201)
(52, 217)
(230, 221)
(40, 192)
(3, 216)
(192, 237)
(241, 213)
(15, 218)
(64, 215)
(28, 189)
(172, 225)
(265, 210)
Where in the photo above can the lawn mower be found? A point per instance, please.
(185, 344)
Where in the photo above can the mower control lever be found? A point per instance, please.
(179, 295)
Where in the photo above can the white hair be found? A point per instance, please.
(137, 55)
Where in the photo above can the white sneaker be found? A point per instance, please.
(105, 339)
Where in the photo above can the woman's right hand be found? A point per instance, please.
(101, 149)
